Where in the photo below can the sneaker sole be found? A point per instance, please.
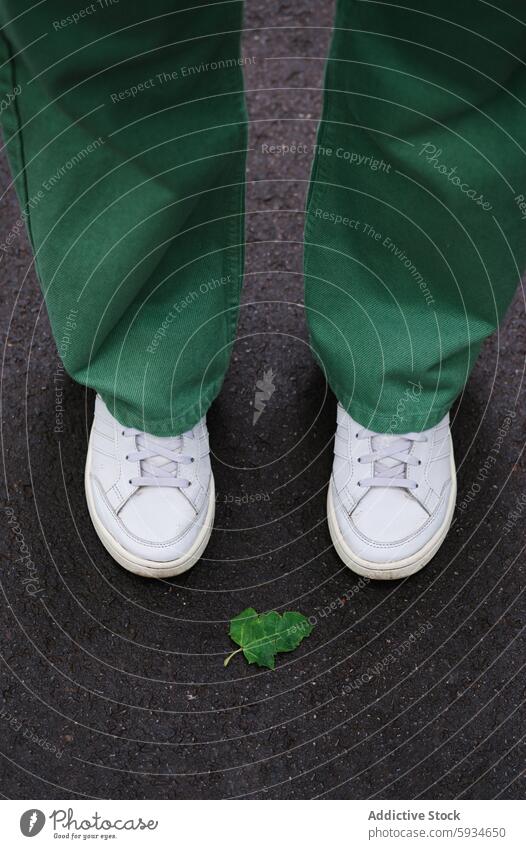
(151, 568)
(396, 569)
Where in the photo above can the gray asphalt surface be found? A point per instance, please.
(114, 687)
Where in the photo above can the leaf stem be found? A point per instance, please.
(230, 656)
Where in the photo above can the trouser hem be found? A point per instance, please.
(393, 421)
(171, 425)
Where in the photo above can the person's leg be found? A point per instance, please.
(415, 240)
(125, 127)
(415, 231)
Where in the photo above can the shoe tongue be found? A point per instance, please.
(381, 442)
(149, 442)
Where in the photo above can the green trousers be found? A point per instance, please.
(126, 131)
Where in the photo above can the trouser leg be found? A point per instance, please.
(415, 231)
(125, 127)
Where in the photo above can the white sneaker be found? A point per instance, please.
(391, 497)
(151, 498)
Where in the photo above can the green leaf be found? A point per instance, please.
(238, 625)
(262, 636)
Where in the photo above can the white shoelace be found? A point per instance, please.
(390, 457)
(158, 460)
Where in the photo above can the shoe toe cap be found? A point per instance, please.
(153, 525)
(400, 533)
